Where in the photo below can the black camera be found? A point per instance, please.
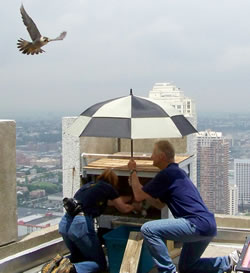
(72, 206)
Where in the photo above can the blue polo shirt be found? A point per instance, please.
(173, 187)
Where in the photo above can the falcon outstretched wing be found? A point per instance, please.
(31, 26)
(61, 37)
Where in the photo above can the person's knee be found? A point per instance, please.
(145, 230)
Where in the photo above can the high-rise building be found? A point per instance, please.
(170, 94)
(242, 180)
(173, 95)
(233, 199)
(212, 170)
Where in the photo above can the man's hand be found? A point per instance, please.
(131, 164)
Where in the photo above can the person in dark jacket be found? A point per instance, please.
(193, 224)
(78, 230)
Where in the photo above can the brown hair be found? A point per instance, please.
(109, 176)
(167, 148)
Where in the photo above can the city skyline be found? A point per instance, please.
(112, 47)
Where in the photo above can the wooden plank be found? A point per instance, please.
(121, 155)
(175, 253)
(170, 245)
(132, 253)
(122, 164)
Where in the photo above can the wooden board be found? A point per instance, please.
(132, 253)
(170, 245)
(121, 164)
(175, 253)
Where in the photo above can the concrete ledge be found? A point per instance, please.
(228, 232)
(33, 250)
(34, 239)
(32, 257)
(231, 236)
(230, 221)
(232, 229)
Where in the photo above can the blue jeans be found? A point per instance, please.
(81, 239)
(156, 233)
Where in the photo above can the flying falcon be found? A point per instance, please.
(38, 40)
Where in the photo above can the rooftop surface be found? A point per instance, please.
(213, 250)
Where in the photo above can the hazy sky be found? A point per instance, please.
(203, 47)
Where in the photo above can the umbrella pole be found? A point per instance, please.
(131, 141)
(132, 148)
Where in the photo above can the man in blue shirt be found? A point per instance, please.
(193, 224)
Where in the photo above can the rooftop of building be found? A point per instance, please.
(209, 133)
(39, 220)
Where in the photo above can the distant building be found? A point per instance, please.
(33, 171)
(20, 179)
(35, 222)
(230, 140)
(242, 180)
(37, 193)
(212, 170)
(22, 189)
(56, 197)
(170, 94)
(46, 162)
(233, 199)
(55, 201)
(173, 95)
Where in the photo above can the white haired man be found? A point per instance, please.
(193, 224)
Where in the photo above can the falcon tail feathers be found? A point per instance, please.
(27, 48)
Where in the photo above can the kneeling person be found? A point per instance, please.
(78, 231)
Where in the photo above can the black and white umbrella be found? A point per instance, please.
(131, 117)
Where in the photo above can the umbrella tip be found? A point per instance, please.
(131, 92)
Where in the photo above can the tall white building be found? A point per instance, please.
(212, 170)
(242, 179)
(170, 94)
(233, 199)
(173, 95)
